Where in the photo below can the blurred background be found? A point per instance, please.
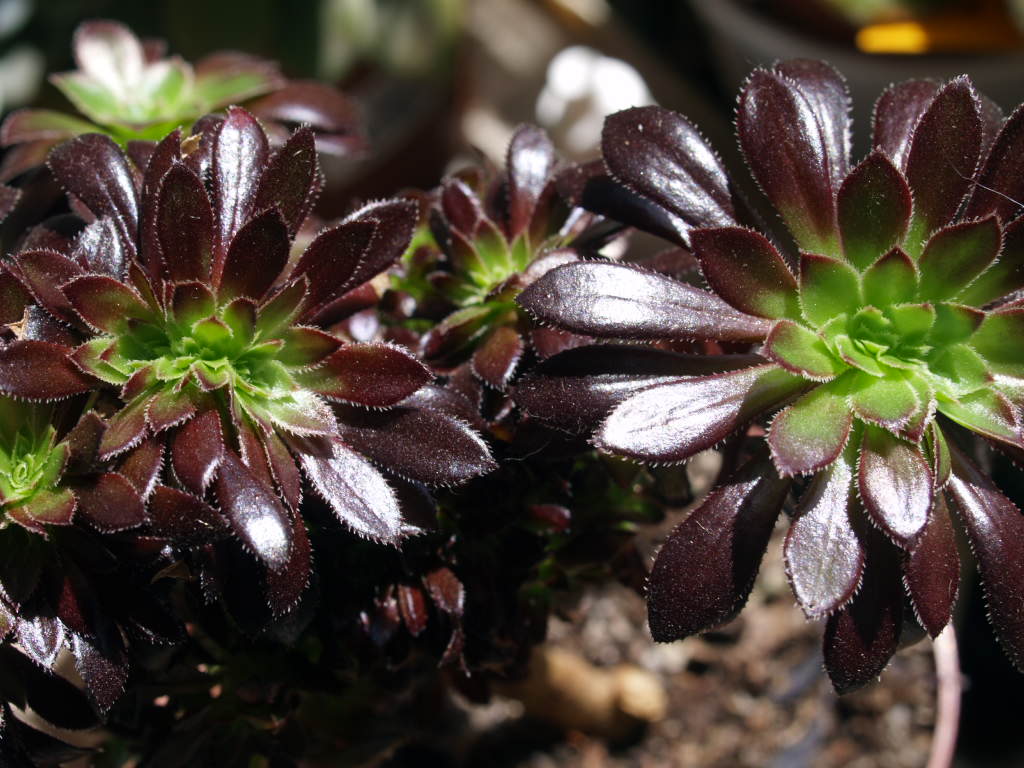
(435, 78)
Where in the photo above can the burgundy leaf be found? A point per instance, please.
(461, 208)
(197, 451)
(104, 677)
(255, 258)
(619, 301)
(125, 429)
(254, 513)
(367, 374)
(743, 268)
(873, 208)
(13, 297)
(354, 489)
(99, 249)
(447, 592)
(396, 221)
(896, 485)
(897, 113)
(166, 153)
(703, 574)
(39, 370)
(110, 503)
(83, 443)
(184, 226)
(824, 555)
(1005, 276)
(291, 180)
(530, 161)
(942, 158)
(42, 273)
(495, 360)
(420, 444)
(169, 409)
(184, 519)
(659, 155)
(142, 465)
(576, 389)
(282, 465)
(44, 508)
(861, 637)
(286, 585)
(239, 155)
(932, 572)
(41, 638)
(302, 101)
(671, 422)
(331, 260)
(1001, 181)
(788, 152)
(995, 529)
(106, 304)
(412, 605)
(93, 168)
(826, 91)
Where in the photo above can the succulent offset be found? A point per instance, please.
(128, 89)
(876, 345)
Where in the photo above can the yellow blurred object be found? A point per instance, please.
(989, 29)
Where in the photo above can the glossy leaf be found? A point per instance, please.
(620, 301)
(1001, 179)
(530, 161)
(896, 485)
(197, 450)
(291, 179)
(789, 154)
(897, 113)
(254, 512)
(182, 518)
(420, 444)
(184, 226)
(887, 401)
(932, 572)
(673, 421)
(367, 374)
(744, 268)
(495, 360)
(942, 158)
(255, 258)
(659, 155)
(39, 370)
(356, 492)
(873, 207)
(824, 555)
(995, 529)
(106, 304)
(240, 153)
(861, 637)
(110, 504)
(703, 574)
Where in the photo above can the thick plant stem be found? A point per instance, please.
(947, 717)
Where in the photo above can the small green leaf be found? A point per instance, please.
(954, 323)
(961, 368)
(850, 352)
(828, 287)
(890, 401)
(914, 429)
(986, 412)
(912, 322)
(802, 351)
(812, 432)
(90, 98)
(998, 339)
(954, 256)
(890, 280)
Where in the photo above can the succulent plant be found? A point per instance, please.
(128, 89)
(876, 346)
(485, 235)
(186, 301)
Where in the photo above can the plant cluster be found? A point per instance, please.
(269, 485)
